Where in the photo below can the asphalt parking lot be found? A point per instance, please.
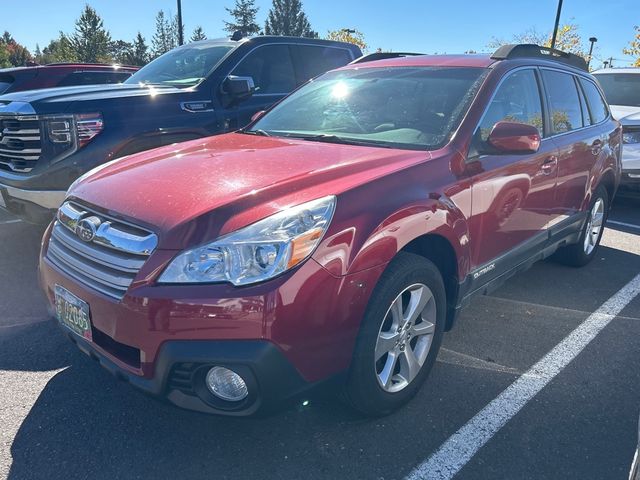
(61, 416)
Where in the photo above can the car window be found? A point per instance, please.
(93, 78)
(516, 100)
(597, 106)
(564, 103)
(271, 68)
(312, 60)
(621, 88)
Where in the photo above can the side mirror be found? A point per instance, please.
(258, 115)
(514, 137)
(238, 87)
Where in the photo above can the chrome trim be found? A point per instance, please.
(17, 108)
(49, 199)
(186, 106)
(110, 232)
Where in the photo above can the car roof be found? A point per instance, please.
(482, 61)
(262, 39)
(70, 66)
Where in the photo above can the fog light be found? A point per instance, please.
(226, 384)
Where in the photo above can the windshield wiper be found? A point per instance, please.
(258, 131)
(330, 138)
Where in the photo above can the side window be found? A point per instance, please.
(270, 67)
(312, 60)
(93, 78)
(597, 106)
(564, 103)
(516, 100)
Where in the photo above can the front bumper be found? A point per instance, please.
(36, 206)
(285, 334)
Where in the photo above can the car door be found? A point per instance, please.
(579, 144)
(512, 194)
(271, 68)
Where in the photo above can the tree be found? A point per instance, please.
(121, 51)
(91, 41)
(567, 40)
(58, 50)
(287, 18)
(634, 47)
(198, 34)
(139, 54)
(244, 18)
(12, 54)
(166, 36)
(350, 36)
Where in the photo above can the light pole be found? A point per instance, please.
(180, 33)
(592, 40)
(555, 27)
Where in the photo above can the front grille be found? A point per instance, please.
(108, 259)
(20, 142)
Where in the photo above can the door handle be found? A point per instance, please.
(549, 165)
(596, 147)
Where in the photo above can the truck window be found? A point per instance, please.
(271, 68)
(312, 60)
(93, 78)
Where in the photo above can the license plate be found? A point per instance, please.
(73, 312)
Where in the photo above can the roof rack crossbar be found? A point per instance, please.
(528, 50)
(372, 57)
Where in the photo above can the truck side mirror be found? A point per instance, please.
(238, 87)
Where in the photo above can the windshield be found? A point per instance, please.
(621, 88)
(182, 67)
(412, 108)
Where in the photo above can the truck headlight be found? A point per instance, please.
(257, 252)
(632, 136)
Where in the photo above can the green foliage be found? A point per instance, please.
(139, 54)
(166, 36)
(287, 18)
(350, 36)
(244, 18)
(91, 42)
(12, 54)
(58, 50)
(198, 34)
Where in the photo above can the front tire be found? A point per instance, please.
(581, 253)
(399, 337)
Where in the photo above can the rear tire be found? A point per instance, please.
(399, 337)
(581, 253)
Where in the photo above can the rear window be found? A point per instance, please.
(564, 103)
(5, 83)
(93, 78)
(621, 88)
(312, 60)
(598, 109)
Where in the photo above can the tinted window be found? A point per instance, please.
(270, 67)
(597, 106)
(516, 100)
(563, 100)
(93, 78)
(311, 60)
(621, 88)
(181, 67)
(413, 108)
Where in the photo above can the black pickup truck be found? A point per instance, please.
(49, 138)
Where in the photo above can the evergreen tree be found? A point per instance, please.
(59, 50)
(166, 36)
(139, 51)
(91, 42)
(120, 51)
(244, 18)
(198, 34)
(287, 18)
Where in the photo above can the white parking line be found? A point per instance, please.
(623, 224)
(7, 222)
(456, 452)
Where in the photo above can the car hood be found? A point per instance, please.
(195, 191)
(625, 114)
(60, 95)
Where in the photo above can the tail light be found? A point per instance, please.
(88, 125)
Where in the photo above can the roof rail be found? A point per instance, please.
(372, 57)
(527, 50)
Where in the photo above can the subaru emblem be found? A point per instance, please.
(87, 228)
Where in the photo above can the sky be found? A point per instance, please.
(426, 26)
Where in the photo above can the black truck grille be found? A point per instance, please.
(20, 143)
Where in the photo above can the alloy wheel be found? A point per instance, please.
(595, 223)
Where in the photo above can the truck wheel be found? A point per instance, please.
(581, 253)
(399, 337)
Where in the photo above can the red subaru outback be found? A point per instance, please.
(339, 234)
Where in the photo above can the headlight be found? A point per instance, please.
(631, 137)
(258, 252)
